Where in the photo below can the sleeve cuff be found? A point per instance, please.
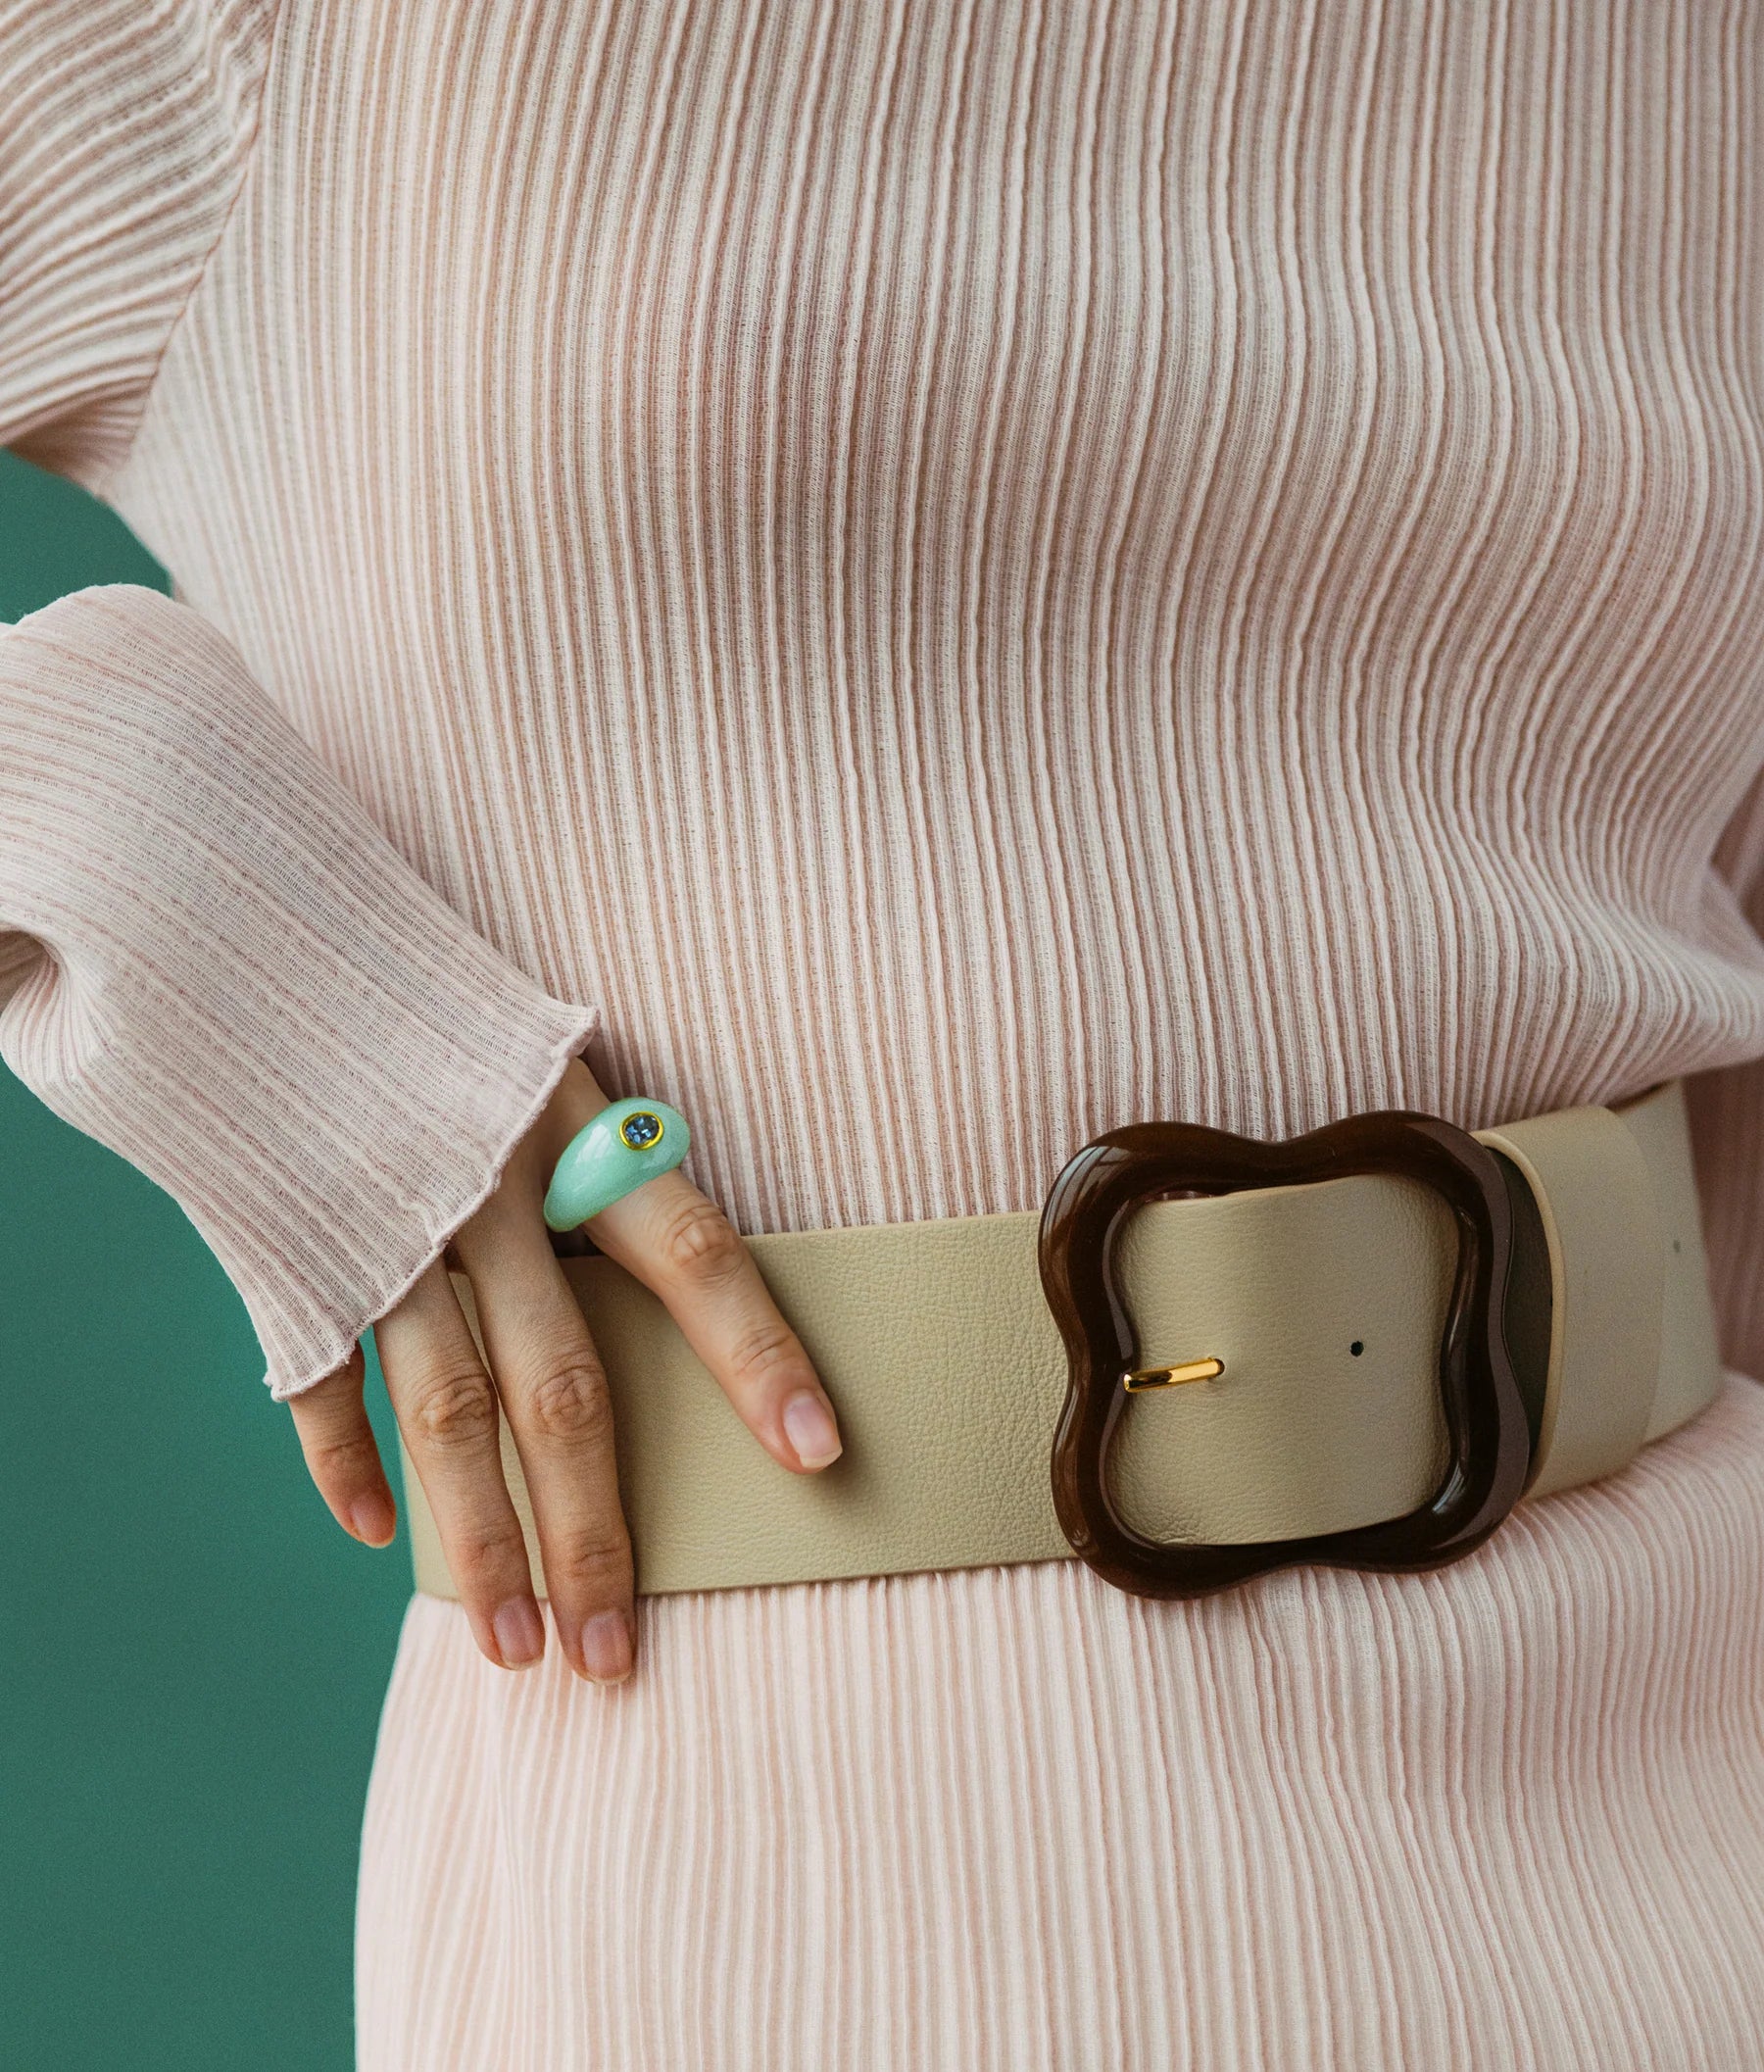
(532, 1078)
(219, 968)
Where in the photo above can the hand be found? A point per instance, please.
(548, 1383)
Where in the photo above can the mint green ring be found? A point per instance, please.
(625, 1144)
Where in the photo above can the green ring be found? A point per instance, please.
(601, 1166)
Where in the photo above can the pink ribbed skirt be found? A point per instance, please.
(1507, 1814)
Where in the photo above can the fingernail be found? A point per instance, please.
(520, 1633)
(809, 1426)
(607, 1647)
(372, 1518)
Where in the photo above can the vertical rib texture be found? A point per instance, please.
(974, 573)
(1726, 1115)
(975, 570)
(980, 571)
(1008, 1820)
(222, 971)
(124, 129)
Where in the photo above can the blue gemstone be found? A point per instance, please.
(641, 1129)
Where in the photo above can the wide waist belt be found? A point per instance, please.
(1361, 1346)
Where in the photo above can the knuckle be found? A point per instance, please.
(763, 1352)
(480, 1555)
(571, 1402)
(343, 1462)
(598, 1551)
(699, 1244)
(454, 1407)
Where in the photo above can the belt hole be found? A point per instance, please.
(1357, 1347)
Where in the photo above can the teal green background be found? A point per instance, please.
(194, 1654)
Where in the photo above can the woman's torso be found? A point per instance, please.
(974, 573)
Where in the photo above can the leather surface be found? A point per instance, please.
(948, 1375)
(1590, 1178)
(1689, 1351)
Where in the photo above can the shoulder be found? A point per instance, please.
(128, 127)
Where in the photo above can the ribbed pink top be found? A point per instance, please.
(959, 574)
(963, 574)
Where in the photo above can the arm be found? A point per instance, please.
(211, 961)
(218, 967)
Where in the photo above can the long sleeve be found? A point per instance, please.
(211, 959)
(1726, 1115)
(221, 970)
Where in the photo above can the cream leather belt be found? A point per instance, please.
(1312, 1381)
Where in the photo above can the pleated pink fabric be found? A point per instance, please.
(937, 576)
(1011, 1820)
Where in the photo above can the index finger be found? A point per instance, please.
(676, 1241)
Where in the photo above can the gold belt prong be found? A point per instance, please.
(1174, 1377)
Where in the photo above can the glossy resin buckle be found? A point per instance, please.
(1488, 1438)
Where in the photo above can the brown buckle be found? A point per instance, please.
(1488, 1432)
